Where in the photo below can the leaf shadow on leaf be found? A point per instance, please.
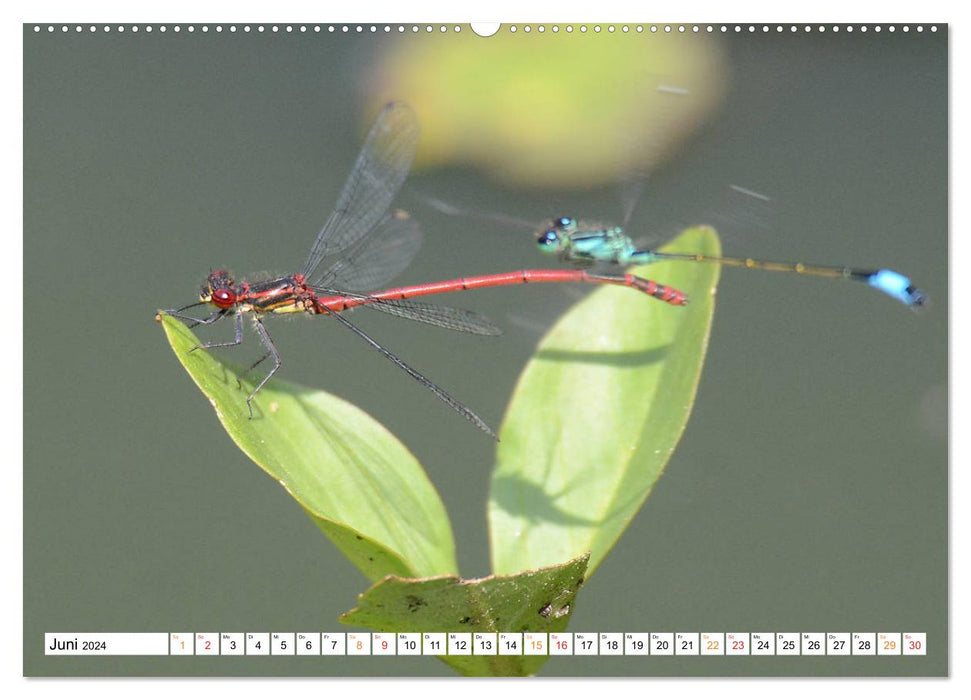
(597, 413)
(531, 501)
(528, 500)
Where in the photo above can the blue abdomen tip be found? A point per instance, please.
(898, 286)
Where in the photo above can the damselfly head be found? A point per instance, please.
(218, 290)
(553, 239)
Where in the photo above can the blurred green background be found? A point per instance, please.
(809, 492)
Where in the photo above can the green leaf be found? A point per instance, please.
(597, 413)
(529, 601)
(360, 485)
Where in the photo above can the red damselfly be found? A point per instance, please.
(364, 246)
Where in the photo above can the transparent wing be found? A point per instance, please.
(454, 210)
(434, 315)
(441, 316)
(374, 181)
(631, 191)
(375, 259)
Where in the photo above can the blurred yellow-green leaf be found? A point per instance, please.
(577, 109)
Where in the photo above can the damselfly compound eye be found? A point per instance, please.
(223, 298)
(549, 239)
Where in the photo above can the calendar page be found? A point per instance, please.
(361, 349)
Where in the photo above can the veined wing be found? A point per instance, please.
(374, 181)
(375, 259)
(433, 314)
(442, 316)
